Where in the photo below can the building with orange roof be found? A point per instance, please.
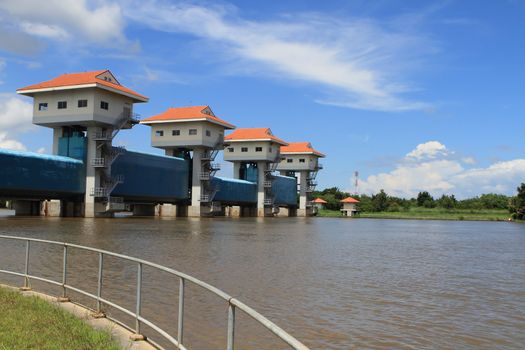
(194, 133)
(301, 160)
(349, 206)
(319, 203)
(85, 111)
(255, 153)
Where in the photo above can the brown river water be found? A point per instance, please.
(331, 283)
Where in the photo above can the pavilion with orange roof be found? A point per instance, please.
(349, 206)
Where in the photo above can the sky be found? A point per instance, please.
(414, 95)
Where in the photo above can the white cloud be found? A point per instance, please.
(15, 114)
(428, 150)
(354, 61)
(97, 21)
(431, 167)
(11, 144)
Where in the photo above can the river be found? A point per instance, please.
(332, 283)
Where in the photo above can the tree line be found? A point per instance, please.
(384, 202)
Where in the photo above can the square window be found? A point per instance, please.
(270, 149)
(289, 160)
(62, 105)
(244, 149)
(302, 160)
(208, 133)
(104, 105)
(82, 103)
(42, 106)
(193, 131)
(231, 149)
(258, 149)
(159, 133)
(175, 132)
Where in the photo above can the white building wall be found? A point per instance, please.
(310, 162)
(234, 152)
(184, 139)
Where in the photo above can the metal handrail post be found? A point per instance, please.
(64, 272)
(26, 275)
(231, 327)
(180, 325)
(139, 290)
(99, 286)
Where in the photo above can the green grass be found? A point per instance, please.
(29, 322)
(431, 214)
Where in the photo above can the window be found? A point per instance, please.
(244, 149)
(104, 105)
(159, 133)
(82, 103)
(193, 131)
(302, 160)
(42, 106)
(175, 132)
(258, 149)
(270, 149)
(231, 149)
(208, 133)
(62, 105)
(289, 160)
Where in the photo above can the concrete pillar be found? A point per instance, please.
(236, 170)
(92, 178)
(261, 167)
(26, 208)
(303, 196)
(167, 210)
(195, 208)
(57, 133)
(144, 210)
(51, 208)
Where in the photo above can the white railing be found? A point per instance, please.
(178, 339)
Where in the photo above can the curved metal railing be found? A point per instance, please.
(177, 340)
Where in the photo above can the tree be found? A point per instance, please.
(380, 201)
(447, 202)
(424, 199)
(517, 204)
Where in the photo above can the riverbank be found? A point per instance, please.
(28, 322)
(430, 214)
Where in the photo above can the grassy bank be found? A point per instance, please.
(431, 214)
(33, 323)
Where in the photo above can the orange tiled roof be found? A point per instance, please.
(349, 200)
(320, 201)
(84, 78)
(254, 134)
(187, 113)
(300, 147)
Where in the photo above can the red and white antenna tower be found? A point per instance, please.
(356, 182)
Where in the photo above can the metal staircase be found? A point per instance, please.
(102, 164)
(208, 170)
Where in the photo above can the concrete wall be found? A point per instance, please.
(75, 115)
(310, 162)
(269, 152)
(216, 133)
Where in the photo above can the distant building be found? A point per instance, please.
(319, 203)
(301, 160)
(349, 206)
(196, 134)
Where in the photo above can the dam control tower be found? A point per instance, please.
(197, 135)
(301, 160)
(86, 111)
(255, 154)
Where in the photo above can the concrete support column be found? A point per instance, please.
(261, 167)
(236, 170)
(51, 208)
(57, 133)
(196, 190)
(167, 210)
(92, 178)
(303, 183)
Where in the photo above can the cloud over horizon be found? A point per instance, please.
(432, 167)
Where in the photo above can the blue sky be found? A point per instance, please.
(415, 95)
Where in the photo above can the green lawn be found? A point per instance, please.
(431, 214)
(32, 323)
